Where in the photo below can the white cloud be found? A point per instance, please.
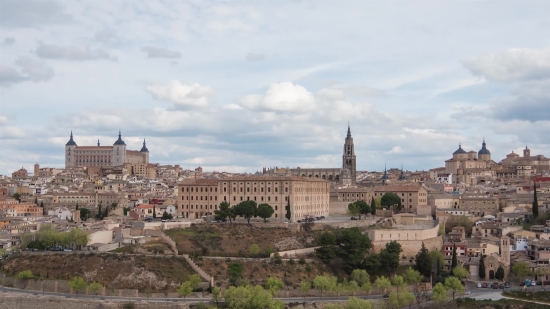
(157, 52)
(281, 97)
(182, 95)
(73, 53)
(512, 64)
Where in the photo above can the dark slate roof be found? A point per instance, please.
(459, 150)
(71, 142)
(144, 148)
(119, 141)
(484, 149)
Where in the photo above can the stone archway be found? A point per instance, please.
(491, 274)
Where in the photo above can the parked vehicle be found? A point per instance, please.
(501, 286)
(57, 248)
(299, 221)
(527, 282)
(322, 217)
(533, 283)
(479, 285)
(546, 282)
(67, 250)
(386, 295)
(484, 285)
(539, 282)
(495, 285)
(148, 220)
(507, 285)
(522, 283)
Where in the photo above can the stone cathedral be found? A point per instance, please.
(346, 175)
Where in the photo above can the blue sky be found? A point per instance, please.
(235, 86)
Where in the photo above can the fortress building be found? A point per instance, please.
(345, 175)
(103, 156)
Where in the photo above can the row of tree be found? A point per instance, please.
(76, 284)
(47, 236)
(245, 209)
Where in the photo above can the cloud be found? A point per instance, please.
(8, 41)
(7, 131)
(252, 57)
(512, 64)
(528, 101)
(107, 37)
(182, 95)
(30, 70)
(157, 52)
(281, 97)
(32, 13)
(73, 53)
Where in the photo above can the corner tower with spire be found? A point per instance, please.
(69, 152)
(348, 157)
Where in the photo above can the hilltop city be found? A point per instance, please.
(480, 219)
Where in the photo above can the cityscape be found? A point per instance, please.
(300, 155)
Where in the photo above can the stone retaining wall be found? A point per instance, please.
(38, 302)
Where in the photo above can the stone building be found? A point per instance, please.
(103, 156)
(306, 196)
(346, 175)
(412, 196)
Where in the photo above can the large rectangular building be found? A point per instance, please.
(306, 196)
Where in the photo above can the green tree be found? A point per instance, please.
(324, 283)
(413, 277)
(254, 249)
(125, 210)
(382, 283)
(250, 297)
(364, 207)
(437, 256)
(268, 250)
(357, 303)
(114, 205)
(454, 261)
(362, 278)
(234, 272)
(99, 215)
(398, 282)
(25, 274)
(389, 256)
(535, 201)
(372, 206)
(77, 284)
(353, 245)
(454, 285)
(353, 210)
(274, 285)
(42, 204)
(223, 212)
(333, 306)
(390, 199)
(406, 298)
(339, 288)
(460, 272)
(423, 262)
(154, 211)
(78, 237)
(246, 209)
(94, 287)
(185, 289)
(327, 246)
(482, 267)
(217, 296)
(194, 280)
(305, 286)
(166, 216)
(439, 293)
(288, 215)
(520, 270)
(17, 196)
(463, 221)
(499, 275)
(85, 213)
(265, 211)
(352, 287)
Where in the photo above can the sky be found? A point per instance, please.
(240, 85)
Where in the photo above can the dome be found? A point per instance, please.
(71, 142)
(459, 150)
(484, 150)
(144, 148)
(119, 141)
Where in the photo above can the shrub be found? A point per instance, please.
(290, 262)
(301, 261)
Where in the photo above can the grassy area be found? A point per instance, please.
(499, 304)
(535, 296)
(126, 249)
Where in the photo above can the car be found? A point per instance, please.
(546, 282)
(386, 295)
(148, 219)
(67, 250)
(484, 285)
(495, 285)
(539, 282)
(213, 221)
(163, 220)
(501, 286)
(322, 217)
(299, 221)
(522, 283)
(507, 285)
(479, 285)
(57, 248)
(467, 293)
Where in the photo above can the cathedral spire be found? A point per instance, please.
(98, 142)
(144, 148)
(71, 142)
(349, 131)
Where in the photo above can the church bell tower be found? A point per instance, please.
(348, 158)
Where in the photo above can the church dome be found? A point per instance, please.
(484, 150)
(459, 150)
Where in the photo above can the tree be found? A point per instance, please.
(217, 296)
(454, 261)
(463, 221)
(389, 256)
(76, 284)
(390, 199)
(482, 267)
(362, 278)
(17, 196)
(194, 280)
(324, 283)
(437, 256)
(423, 262)
(327, 246)
(406, 298)
(36, 200)
(166, 216)
(94, 287)
(357, 303)
(25, 274)
(76, 207)
(520, 270)
(461, 272)
(78, 237)
(99, 212)
(265, 211)
(353, 210)
(246, 209)
(414, 278)
(288, 215)
(352, 287)
(372, 206)
(304, 287)
(535, 201)
(364, 207)
(439, 293)
(185, 289)
(254, 249)
(154, 211)
(222, 213)
(454, 285)
(42, 204)
(353, 246)
(114, 205)
(499, 275)
(382, 283)
(339, 288)
(398, 282)
(250, 297)
(85, 213)
(125, 210)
